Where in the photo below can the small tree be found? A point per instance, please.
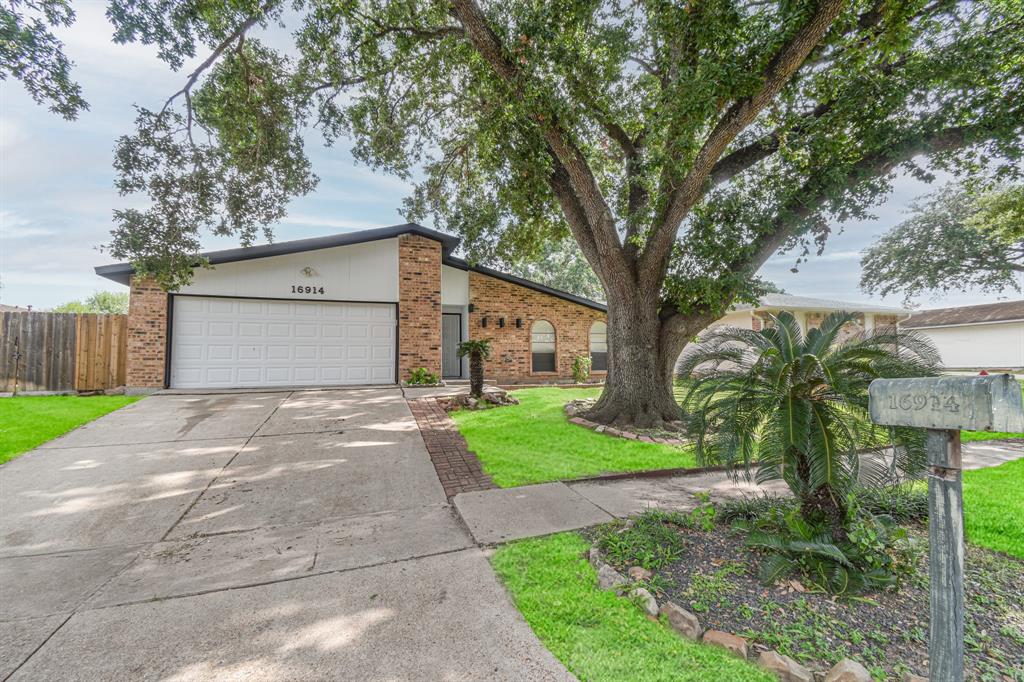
(798, 405)
(478, 350)
(103, 302)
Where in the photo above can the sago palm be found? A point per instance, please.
(796, 405)
(478, 350)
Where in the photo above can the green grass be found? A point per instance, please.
(533, 442)
(967, 436)
(595, 634)
(29, 421)
(994, 507)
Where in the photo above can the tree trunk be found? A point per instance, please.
(638, 387)
(476, 374)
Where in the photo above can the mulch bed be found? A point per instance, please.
(887, 632)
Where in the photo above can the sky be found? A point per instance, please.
(57, 187)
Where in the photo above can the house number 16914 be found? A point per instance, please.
(304, 289)
(919, 401)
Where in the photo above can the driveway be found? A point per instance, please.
(289, 535)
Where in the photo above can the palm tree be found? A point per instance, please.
(478, 350)
(798, 405)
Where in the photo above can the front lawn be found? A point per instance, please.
(29, 421)
(994, 507)
(534, 442)
(594, 633)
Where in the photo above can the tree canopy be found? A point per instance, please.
(680, 144)
(958, 238)
(104, 302)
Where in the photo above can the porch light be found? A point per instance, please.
(483, 322)
(501, 322)
(519, 323)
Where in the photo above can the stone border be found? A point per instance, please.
(620, 433)
(457, 468)
(688, 626)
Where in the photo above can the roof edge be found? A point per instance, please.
(529, 284)
(122, 272)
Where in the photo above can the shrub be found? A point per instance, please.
(652, 541)
(581, 369)
(875, 553)
(749, 508)
(902, 503)
(422, 377)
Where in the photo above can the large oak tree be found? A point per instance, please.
(679, 143)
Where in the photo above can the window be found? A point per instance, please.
(542, 346)
(599, 347)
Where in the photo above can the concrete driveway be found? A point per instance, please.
(289, 535)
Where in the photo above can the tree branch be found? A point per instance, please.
(600, 221)
(235, 35)
(682, 197)
(815, 193)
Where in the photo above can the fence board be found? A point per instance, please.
(62, 351)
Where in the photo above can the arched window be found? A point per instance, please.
(542, 346)
(599, 347)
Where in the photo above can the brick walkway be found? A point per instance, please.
(458, 469)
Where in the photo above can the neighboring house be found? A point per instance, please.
(989, 336)
(810, 312)
(358, 308)
(14, 309)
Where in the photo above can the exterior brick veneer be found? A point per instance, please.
(510, 361)
(147, 335)
(419, 305)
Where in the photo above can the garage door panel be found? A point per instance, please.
(240, 342)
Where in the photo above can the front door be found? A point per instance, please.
(451, 337)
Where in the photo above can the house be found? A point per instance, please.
(810, 312)
(364, 307)
(989, 336)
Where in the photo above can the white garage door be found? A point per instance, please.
(226, 343)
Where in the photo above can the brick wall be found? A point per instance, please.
(510, 346)
(419, 305)
(147, 334)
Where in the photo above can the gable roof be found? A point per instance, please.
(1007, 311)
(122, 272)
(790, 302)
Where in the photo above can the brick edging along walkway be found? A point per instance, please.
(457, 468)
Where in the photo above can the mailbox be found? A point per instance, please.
(969, 403)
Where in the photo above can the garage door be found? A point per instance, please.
(227, 343)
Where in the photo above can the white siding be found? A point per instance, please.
(360, 272)
(982, 346)
(454, 286)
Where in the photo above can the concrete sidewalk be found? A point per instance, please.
(495, 516)
(262, 536)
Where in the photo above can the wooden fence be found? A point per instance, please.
(62, 351)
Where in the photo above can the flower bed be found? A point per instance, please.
(705, 572)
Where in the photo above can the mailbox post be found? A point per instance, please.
(944, 406)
